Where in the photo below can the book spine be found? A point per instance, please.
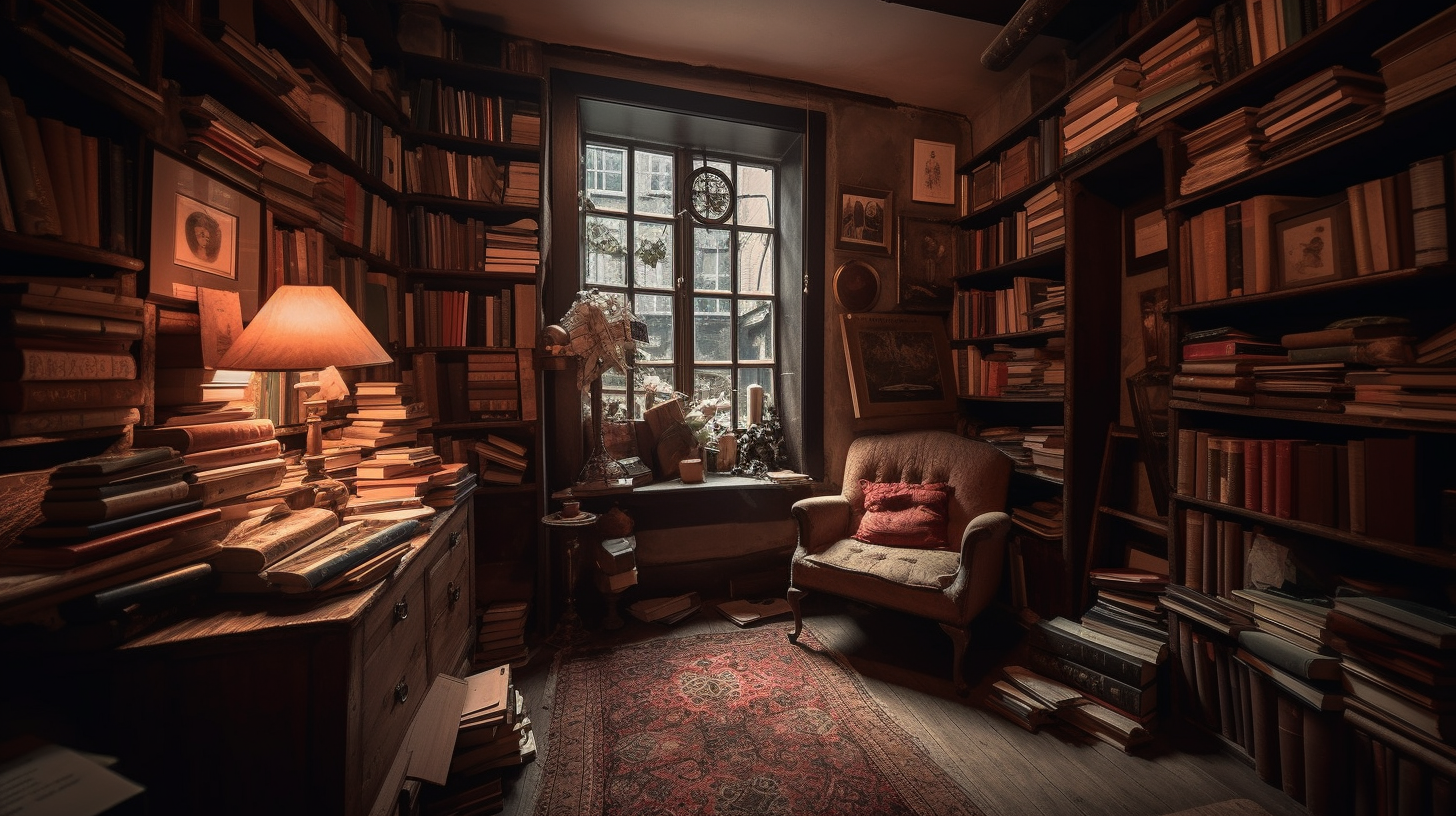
(1123, 696)
(112, 507)
(46, 364)
(1429, 211)
(44, 422)
(1359, 233)
(33, 396)
(353, 553)
(1264, 705)
(1324, 763)
(1086, 653)
(46, 323)
(33, 213)
(1291, 747)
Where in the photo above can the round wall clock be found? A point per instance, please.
(856, 286)
(710, 195)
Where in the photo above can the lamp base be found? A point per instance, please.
(602, 474)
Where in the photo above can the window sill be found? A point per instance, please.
(718, 499)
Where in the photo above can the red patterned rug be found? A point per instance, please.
(727, 724)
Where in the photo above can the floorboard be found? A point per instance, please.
(904, 663)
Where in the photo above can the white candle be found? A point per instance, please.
(755, 404)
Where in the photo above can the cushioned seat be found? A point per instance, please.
(931, 478)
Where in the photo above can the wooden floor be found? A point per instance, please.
(1007, 771)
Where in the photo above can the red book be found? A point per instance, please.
(1253, 473)
(1266, 476)
(1285, 476)
(1233, 348)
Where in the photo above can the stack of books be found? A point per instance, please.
(1110, 671)
(1176, 71)
(1030, 371)
(523, 184)
(1029, 699)
(512, 248)
(1125, 604)
(502, 637)
(499, 460)
(1044, 518)
(1217, 365)
(1425, 393)
(66, 359)
(525, 123)
(616, 563)
(666, 610)
(1046, 222)
(1322, 105)
(1222, 149)
(1419, 63)
(1101, 111)
(1048, 451)
(384, 415)
(1008, 439)
(450, 485)
(494, 736)
(1296, 618)
(231, 459)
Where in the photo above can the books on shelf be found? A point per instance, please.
(1222, 149)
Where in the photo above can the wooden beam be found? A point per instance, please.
(1019, 31)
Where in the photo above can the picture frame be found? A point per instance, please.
(205, 233)
(929, 257)
(856, 286)
(865, 220)
(1144, 237)
(1312, 244)
(898, 364)
(934, 172)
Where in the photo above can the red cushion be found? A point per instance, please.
(904, 515)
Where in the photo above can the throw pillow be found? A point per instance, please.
(898, 514)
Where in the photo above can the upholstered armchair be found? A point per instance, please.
(961, 481)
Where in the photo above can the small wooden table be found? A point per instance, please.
(570, 630)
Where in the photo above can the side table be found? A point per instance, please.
(570, 630)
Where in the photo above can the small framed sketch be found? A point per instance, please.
(934, 172)
(865, 220)
(1313, 244)
(928, 258)
(856, 286)
(205, 233)
(898, 364)
(1144, 237)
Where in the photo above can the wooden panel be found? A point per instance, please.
(395, 680)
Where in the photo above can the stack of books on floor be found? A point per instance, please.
(384, 415)
(1126, 605)
(232, 459)
(616, 564)
(502, 636)
(1222, 149)
(499, 460)
(1176, 71)
(494, 738)
(666, 610)
(66, 359)
(1112, 670)
(1033, 700)
(1321, 106)
(1102, 111)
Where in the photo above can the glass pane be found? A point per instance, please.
(656, 311)
(606, 256)
(755, 263)
(712, 332)
(712, 385)
(653, 178)
(651, 382)
(755, 196)
(614, 393)
(606, 184)
(753, 376)
(710, 260)
(652, 256)
(755, 331)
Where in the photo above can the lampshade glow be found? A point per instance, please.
(303, 328)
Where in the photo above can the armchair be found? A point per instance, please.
(950, 583)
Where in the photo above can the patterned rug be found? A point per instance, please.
(727, 724)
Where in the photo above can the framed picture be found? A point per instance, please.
(929, 258)
(1313, 244)
(856, 286)
(934, 171)
(205, 234)
(1144, 237)
(898, 364)
(864, 220)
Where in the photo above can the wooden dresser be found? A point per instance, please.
(296, 707)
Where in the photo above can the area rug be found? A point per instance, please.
(728, 724)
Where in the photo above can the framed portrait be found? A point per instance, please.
(929, 258)
(1313, 244)
(934, 172)
(898, 364)
(205, 234)
(856, 286)
(1144, 237)
(865, 223)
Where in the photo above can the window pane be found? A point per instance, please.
(755, 263)
(712, 332)
(606, 257)
(652, 257)
(654, 379)
(606, 186)
(755, 196)
(712, 384)
(614, 393)
(710, 260)
(755, 331)
(753, 376)
(656, 311)
(653, 177)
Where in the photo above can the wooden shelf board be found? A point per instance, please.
(1054, 258)
(1393, 278)
(1152, 525)
(1318, 417)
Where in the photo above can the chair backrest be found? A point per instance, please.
(979, 474)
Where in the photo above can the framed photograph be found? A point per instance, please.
(928, 261)
(865, 223)
(898, 364)
(934, 172)
(205, 234)
(1313, 244)
(856, 286)
(1144, 237)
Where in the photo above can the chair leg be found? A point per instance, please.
(959, 638)
(795, 597)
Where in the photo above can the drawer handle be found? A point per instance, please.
(401, 692)
(454, 592)
(454, 539)
(401, 610)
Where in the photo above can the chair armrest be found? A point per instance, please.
(985, 530)
(823, 520)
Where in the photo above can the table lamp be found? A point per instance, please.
(305, 328)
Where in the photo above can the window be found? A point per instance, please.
(708, 293)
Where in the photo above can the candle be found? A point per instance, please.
(755, 404)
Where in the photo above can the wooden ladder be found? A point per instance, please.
(1118, 529)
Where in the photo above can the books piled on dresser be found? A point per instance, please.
(502, 634)
(66, 359)
(1102, 111)
(231, 459)
(385, 414)
(309, 552)
(1178, 70)
(409, 472)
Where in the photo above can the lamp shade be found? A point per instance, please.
(303, 328)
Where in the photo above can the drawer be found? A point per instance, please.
(395, 680)
(450, 604)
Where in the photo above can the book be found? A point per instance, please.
(198, 438)
(51, 364)
(744, 612)
(1095, 651)
(1419, 622)
(1127, 698)
(57, 395)
(259, 541)
(1301, 662)
(64, 555)
(79, 511)
(336, 553)
(77, 531)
